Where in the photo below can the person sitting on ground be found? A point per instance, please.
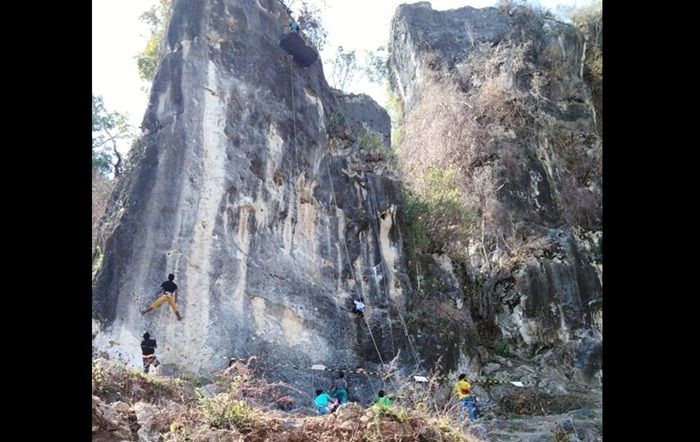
(324, 403)
(169, 293)
(339, 387)
(359, 308)
(381, 400)
(148, 350)
(294, 26)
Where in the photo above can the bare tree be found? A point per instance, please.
(344, 68)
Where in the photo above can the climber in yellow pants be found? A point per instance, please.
(169, 293)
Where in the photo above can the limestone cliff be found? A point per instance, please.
(266, 193)
(499, 105)
(271, 198)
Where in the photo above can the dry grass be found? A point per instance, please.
(172, 409)
(114, 382)
(489, 121)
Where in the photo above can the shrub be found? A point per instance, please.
(438, 219)
(157, 18)
(335, 121)
(222, 411)
(226, 411)
(501, 348)
(370, 141)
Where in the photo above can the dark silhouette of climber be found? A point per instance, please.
(169, 293)
(148, 350)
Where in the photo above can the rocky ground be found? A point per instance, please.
(238, 404)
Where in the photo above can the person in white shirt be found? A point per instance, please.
(359, 309)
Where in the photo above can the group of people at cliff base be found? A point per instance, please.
(327, 403)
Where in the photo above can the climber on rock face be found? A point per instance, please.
(359, 308)
(169, 293)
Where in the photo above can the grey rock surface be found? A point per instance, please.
(271, 223)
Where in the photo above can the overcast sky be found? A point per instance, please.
(118, 35)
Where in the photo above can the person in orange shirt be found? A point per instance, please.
(463, 389)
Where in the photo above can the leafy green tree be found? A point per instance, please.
(377, 67)
(156, 17)
(107, 128)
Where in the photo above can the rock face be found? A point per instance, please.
(266, 194)
(271, 198)
(499, 99)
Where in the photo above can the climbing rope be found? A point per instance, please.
(373, 200)
(357, 282)
(375, 230)
(294, 112)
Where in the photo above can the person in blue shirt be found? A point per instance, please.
(294, 26)
(339, 387)
(324, 403)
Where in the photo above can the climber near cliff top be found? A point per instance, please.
(169, 293)
(293, 25)
(294, 44)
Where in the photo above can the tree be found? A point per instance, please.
(107, 128)
(156, 18)
(377, 67)
(311, 24)
(344, 68)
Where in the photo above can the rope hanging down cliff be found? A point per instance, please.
(384, 267)
(358, 284)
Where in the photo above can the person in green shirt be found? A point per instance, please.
(381, 400)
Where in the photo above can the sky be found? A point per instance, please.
(118, 35)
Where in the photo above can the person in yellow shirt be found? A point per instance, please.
(463, 389)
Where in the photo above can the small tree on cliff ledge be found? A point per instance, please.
(107, 128)
(157, 19)
(311, 24)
